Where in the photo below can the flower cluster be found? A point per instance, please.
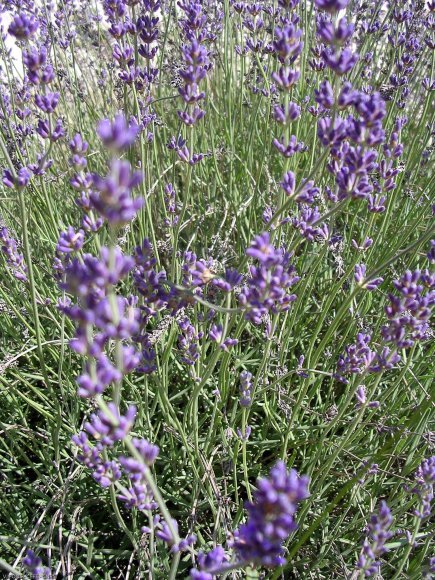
(266, 289)
(144, 29)
(188, 342)
(328, 89)
(14, 258)
(270, 522)
(246, 389)
(286, 47)
(374, 544)
(108, 427)
(424, 487)
(360, 278)
(34, 566)
(195, 57)
(360, 358)
(409, 313)
(271, 517)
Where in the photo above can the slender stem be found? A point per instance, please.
(174, 566)
(404, 560)
(32, 286)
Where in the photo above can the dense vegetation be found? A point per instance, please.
(216, 284)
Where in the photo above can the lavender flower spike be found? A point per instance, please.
(424, 488)
(360, 278)
(246, 389)
(14, 259)
(270, 522)
(271, 517)
(374, 544)
(23, 27)
(331, 6)
(33, 564)
(117, 134)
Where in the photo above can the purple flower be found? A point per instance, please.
(14, 259)
(338, 35)
(285, 78)
(331, 6)
(228, 343)
(117, 135)
(209, 564)
(147, 363)
(110, 426)
(23, 26)
(106, 473)
(112, 196)
(288, 4)
(43, 129)
(360, 273)
(331, 133)
(165, 534)
(262, 250)
(324, 95)
(147, 280)
(306, 224)
(357, 359)
(308, 192)
(124, 55)
(374, 544)
(424, 487)
(34, 565)
(409, 313)
(287, 44)
(353, 184)
(245, 389)
(77, 145)
(288, 149)
(47, 102)
(94, 383)
(147, 28)
(348, 96)
(342, 62)
(170, 204)
(385, 360)
(37, 70)
(286, 116)
(367, 243)
(19, 180)
(431, 253)
(196, 272)
(41, 166)
(89, 456)
(119, 325)
(271, 517)
(288, 183)
(196, 61)
(231, 279)
(70, 241)
(428, 572)
(362, 399)
(148, 451)
(188, 342)
(191, 118)
(372, 108)
(215, 333)
(138, 496)
(266, 289)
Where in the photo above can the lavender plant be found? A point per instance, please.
(217, 283)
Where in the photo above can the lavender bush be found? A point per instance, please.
(217, 280)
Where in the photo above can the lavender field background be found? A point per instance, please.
(216, 286)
